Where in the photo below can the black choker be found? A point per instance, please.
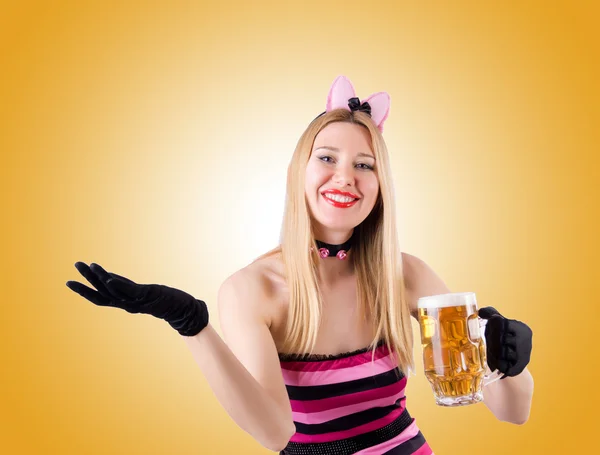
(327, 249)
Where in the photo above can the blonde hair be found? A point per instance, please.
(376, 255)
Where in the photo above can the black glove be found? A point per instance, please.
(508, 342)
(183, 312)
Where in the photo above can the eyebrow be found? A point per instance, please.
(335, 149)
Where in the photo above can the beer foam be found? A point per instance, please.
(447, 300)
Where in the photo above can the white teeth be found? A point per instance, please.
(338, 197)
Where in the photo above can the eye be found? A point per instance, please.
(366, 167)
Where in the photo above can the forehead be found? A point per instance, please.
(344, 136)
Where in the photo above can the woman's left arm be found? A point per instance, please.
(508, 343)
(509, 399)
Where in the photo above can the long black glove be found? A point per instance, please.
(508, 341)
(183, 312)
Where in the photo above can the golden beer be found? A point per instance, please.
(453, 348)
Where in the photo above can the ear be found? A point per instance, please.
(340, 92)
(380, 108)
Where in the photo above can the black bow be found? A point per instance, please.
(354, 105)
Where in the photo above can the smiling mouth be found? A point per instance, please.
(339, 197)
(340, 201)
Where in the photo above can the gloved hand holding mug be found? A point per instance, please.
(509, 342)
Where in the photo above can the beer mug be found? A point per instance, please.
(454, 352)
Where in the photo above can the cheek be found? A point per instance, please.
(372, 186)
(309, 182)
(312, 183)
(313, 179)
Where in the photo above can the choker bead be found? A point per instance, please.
(326, 250)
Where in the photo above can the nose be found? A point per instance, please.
(344, 176)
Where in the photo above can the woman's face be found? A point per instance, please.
(341, 160)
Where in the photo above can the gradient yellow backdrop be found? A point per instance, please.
(155, 141)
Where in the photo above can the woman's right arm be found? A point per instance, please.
(245, 373)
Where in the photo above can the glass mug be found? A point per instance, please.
(454, 351)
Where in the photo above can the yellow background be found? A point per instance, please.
(154, 140)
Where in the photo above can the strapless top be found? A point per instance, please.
(348, 404)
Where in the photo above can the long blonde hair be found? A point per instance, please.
(376, 255)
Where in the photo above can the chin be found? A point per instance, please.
(339, 224)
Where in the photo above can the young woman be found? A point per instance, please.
(318, 342)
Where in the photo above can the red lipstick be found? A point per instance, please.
(343, 193)
(337, 204)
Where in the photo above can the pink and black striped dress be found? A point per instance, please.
(347, 404)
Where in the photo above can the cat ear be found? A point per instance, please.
(380, 108)
(340, 92)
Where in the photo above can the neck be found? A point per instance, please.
(331, 269)
(331, 237)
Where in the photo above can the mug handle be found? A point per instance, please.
(489, 376)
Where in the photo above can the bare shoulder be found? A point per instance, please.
(420, 280)
(252, 290)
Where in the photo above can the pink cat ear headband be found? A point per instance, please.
(342, 96)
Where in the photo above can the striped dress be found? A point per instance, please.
(346, 404)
